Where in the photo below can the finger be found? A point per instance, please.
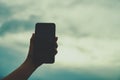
(32, 38)
(55, 52)
(32, 41)
(33, 34)
(56, 38)
(56, 45)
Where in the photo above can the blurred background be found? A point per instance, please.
(88, 37)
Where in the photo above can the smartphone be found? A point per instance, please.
(44, 43)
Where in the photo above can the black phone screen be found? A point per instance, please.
(44, 42)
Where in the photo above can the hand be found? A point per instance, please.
(29, 66)
(29, 58)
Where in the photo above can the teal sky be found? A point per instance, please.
(88, 37)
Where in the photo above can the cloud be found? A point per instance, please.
(89, 22)
(84, 18)
(15, 26)
(19, 41)
(5, 12)
(76, 74)
(88, 32)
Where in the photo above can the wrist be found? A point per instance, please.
(30, 64)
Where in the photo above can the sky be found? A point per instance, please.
(88, 37)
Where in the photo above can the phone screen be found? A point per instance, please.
(44, 42)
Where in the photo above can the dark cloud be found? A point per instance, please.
(14, 26)
(5, 11)
(10, 25)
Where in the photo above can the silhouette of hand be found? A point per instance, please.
(29, 58)
(29, 66)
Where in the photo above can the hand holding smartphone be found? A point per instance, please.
(44, 43)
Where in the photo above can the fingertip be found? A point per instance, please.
(56, 38)
(33, 34)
